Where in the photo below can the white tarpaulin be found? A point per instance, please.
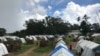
(60, 44)
(88, 51)
(81, 45)
(61, 51)
(3, 49)
(45, 38)
(29, 37)
(61, 41)
(96, 34)
(22, 40)
(81, 37)
(12, 37)
(35, 39)
(3, 38)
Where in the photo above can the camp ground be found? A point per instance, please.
(61, 49)
(3, 50)
(86, 48)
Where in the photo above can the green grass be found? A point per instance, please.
(42, 49)
(24, 48)
(68, 39)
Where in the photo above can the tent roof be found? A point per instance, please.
(97, 49)
(96, 34)
(3, 49)
(61, 51)
(61, 44)
(23, 40)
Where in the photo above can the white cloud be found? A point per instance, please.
(39, 9)
(59, 2)
(57, 13)
(9, 18)
(12, 16)
(31, 3)
(49, 7)
(73, 10)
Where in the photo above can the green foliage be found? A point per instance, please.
(21, 33)
(43, 49)
(24, 48)
(68, 39)
(50, 25)
(85, 27)
(2, 31)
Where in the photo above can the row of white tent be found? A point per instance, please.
(3, 49)
(86, 48)
(31, 37)
(61, 49)
(82, 37)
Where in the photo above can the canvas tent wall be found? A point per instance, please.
(3, 39)
(45, 37)
(81, 45)
(61, 51)
(87, 47)
(61, 44)
(23, 40)
(88, 51)
(50, 36)
(61, 41)
(12, 37)
(81, 37)
(34, 38)
(3, 49)
(96, 34)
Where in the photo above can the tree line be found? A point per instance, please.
(54, 25)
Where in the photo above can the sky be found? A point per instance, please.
(14, 13)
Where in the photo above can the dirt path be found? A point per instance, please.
(27, 53)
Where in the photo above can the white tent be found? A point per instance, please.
(61, 51)
(81, 45)
(59, 38)
(29, 37)
(3, 49)
(12, 37)
(88, 51)
(61, 44)
(87, 47)
(81, 37)
(96, 34)
(61, 41)
(35, 39)
(50, 36)
(45, 38)
(23, 40)
(3, 38)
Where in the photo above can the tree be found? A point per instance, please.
(85, 26)
(2, 31)
(49, 25)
